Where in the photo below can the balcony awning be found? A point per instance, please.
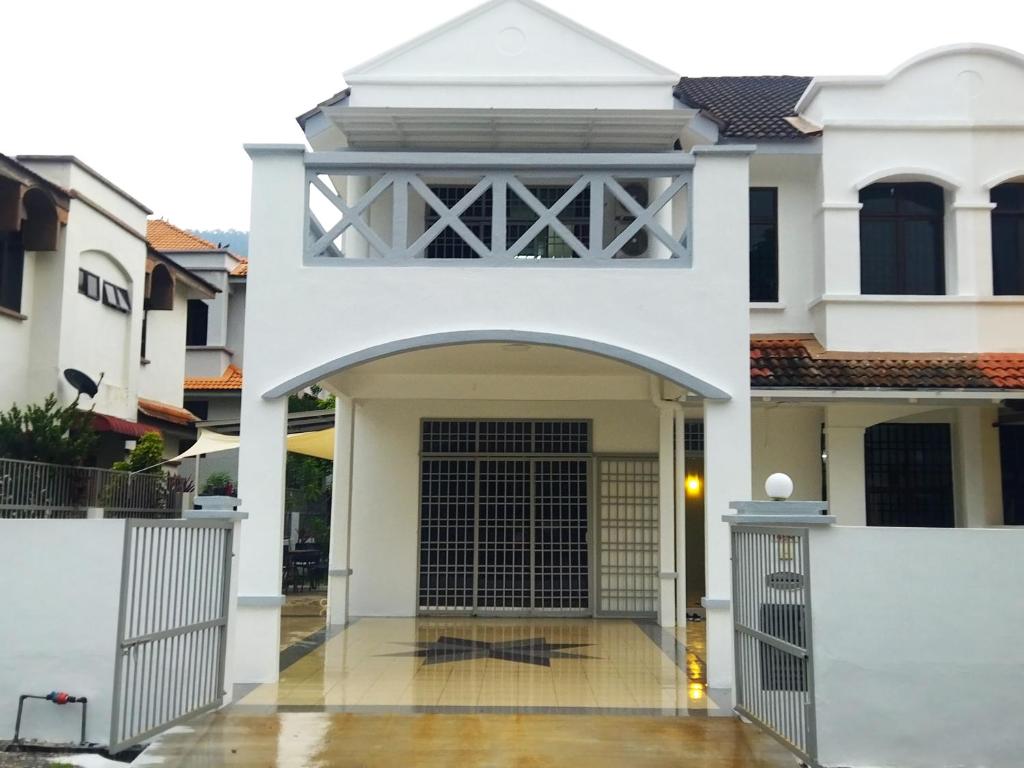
(101, 422)
(465, 130)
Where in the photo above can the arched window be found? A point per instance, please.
(1008, 240)
(901, 239)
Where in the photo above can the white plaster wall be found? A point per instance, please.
(787, 439)
(164, 376)
(917, 655)
(236, 321)
(795, 178)
(58, 620)
(385, 490)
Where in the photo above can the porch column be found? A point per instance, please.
(727, 468)
(680, 501)
(844, 466)
(667, 518)
(261, 479)
(655, 248)
(339, 568)
(979, 474)
(355, 245)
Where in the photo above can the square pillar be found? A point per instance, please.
(845, 472)
(680, 503)
(727, 467)
(339, 567)
(971, 274)
(667, 518)
(977, 467)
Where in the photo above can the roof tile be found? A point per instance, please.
(231, 379)
(750, 107)
(164, 236)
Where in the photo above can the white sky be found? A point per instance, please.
(160, 97)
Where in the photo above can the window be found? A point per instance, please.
(89, 284)
(12, 265)
(901, 231)
(764, 244)
(196, 323)
(199, 408)
(519, 217)
(1011, 449)
(908, 473)
(117, 297)
(1008, 240)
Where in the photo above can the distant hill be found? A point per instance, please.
(235, 240)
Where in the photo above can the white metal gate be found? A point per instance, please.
(627, 536)
(772, 622)
(172, 625)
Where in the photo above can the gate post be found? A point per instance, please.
(224, 508)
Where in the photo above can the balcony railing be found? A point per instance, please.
(504, 209)
(30, 489)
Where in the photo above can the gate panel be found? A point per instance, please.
(504, 541)
(561, 569)
(172, 625)
(627, 536)
(447, 534)
(771, 614)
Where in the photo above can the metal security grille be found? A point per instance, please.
(504, 517)
(172, 626)
(909, 475)
(772, 623)
(627, 533)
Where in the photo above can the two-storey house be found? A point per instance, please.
(572, 305)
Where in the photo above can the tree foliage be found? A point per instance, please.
(50, 433)
(147, 453)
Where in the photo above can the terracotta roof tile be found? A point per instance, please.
(164, 236)
(800, 363)
(751, 107)
(242, 270)
(231, 379)
(166, 412)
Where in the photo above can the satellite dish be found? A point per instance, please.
(81, 382)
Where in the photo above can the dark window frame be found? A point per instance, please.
(908, 475)
(85, 278)
(197, 329)
(519, 217)
(12, 271)
(902, 219)
(1008, 215)
(116, 297)
(199, 408)
(1011, 464)
(764, 267)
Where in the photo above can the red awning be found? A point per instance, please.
(130, 429)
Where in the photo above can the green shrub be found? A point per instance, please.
(50, 433)
(218, 484)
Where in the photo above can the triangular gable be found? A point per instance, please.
(510, 42)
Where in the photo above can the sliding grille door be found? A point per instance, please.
(561, 579)
(503, 578)
(447, 527)
(627, 529)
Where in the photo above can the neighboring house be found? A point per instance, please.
(81, 288)
(566, 298)
(214, 336)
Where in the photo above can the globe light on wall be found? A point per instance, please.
(693, 485)
(778, 486)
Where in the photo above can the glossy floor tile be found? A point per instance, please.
(314, 740)
(507, 665)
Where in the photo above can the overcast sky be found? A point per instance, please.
(160, 96)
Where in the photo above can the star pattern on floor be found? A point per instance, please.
(532, 650)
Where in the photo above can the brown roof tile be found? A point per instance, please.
(231, 379)
(242, 270)
(800, 363)
(750, 107)
(166, 412)
(164, 236)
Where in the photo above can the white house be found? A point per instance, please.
(82, 288)
(572, 305)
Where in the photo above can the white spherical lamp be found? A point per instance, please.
(778, 486)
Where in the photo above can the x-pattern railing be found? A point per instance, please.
(594, 176)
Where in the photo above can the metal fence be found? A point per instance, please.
(772, 621)
(32, 489)
(172, 625)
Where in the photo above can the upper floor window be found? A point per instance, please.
(89, 284)
(12, 266)
(1008, 240)
(901, 239)
(519, 218)
(764, 244)
(117, 297)
(196, 323)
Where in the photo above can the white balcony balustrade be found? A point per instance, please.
(507, 209)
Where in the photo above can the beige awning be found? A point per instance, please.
(319, 444)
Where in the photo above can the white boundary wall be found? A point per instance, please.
(58, 621)
(918, 659)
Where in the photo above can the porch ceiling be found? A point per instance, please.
(380, 128)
